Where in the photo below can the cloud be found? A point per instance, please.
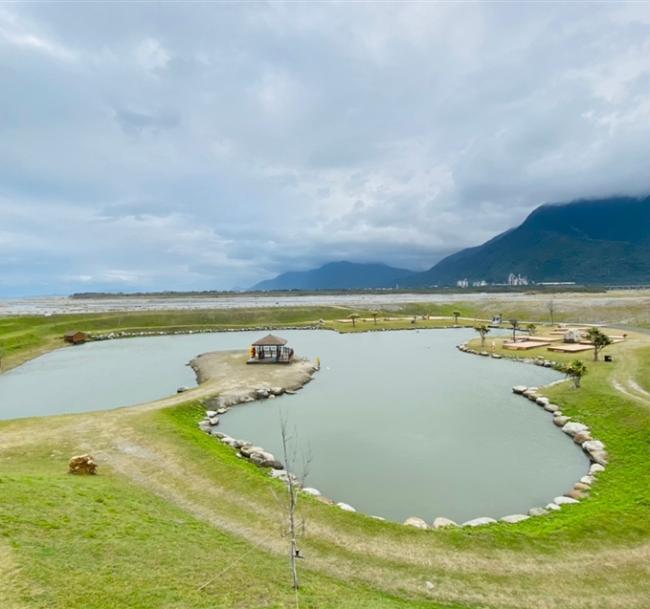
(163, 146)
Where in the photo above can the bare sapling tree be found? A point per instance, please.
(294, 481)
(550, 305)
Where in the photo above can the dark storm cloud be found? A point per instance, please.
(149, 146)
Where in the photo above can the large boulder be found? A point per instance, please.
(249, 449)
(564, 500)
(345, 507)
(514, 518)
(542, 401)
(82, 464)
(551, 407)
(537, 511)
(418, 523)
(572, 428)
(314, 492)
(581, 437)
(596, 468)
(561, 421)
(519, 389)
(440, 523)
(479, 522)
(592, 445)
(599, 456)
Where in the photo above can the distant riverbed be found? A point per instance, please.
(50, 305)
(397, 423)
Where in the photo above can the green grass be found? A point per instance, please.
(114, 541)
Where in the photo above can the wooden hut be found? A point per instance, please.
(270, 350)
(76, 337)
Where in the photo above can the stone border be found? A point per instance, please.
(221, 404)
(581, 434)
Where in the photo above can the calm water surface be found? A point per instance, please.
(396, 423)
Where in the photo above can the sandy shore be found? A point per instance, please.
(239, 382)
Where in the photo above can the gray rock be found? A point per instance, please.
(441, 523)
(596, 468)
(551, 407)
(216, 434)
(587, 480)
(314, 492)
(248, 450)
(572, 428)
(478, 522)
(599, 456)
(213, 421)
(537, 511)
(561, 421)
(581, 437)
(564, 500)
(414, 521)
(542, 401)
(345, 507)
(553, 507)
(205, 426)
(592, 445)
(514, 518)
(519, 389)
(211, 413)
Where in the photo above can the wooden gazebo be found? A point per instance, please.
(270, 350)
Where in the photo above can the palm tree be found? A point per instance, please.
(599, 340)
(456, 315)
(575, 371)
(515, 326)
(353, 317)
(374, 316)
(531, 329)
(483, 330)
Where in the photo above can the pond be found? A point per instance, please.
(396, 424)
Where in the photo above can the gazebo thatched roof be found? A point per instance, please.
(270, 339)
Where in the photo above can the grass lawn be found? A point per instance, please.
(172, 509)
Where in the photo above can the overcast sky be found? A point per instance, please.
(202, 146)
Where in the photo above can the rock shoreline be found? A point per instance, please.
(302, 372)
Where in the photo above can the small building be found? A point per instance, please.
(270, 350)
(76, 337)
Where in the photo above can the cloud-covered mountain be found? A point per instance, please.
(338, 276)
(591, 241)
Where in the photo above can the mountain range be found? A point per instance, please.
(595, 241)
(338, 276)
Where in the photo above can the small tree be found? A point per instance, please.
(599, 340)
(515, 326)
(353, 317)
(374, 316)
(531, 329)
(575, 371)
(483, 330)
(294, 484)
(550, 305)
(456, 315)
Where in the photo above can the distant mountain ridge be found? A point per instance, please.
(337, 276)
(590, 241)
(603, 241)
